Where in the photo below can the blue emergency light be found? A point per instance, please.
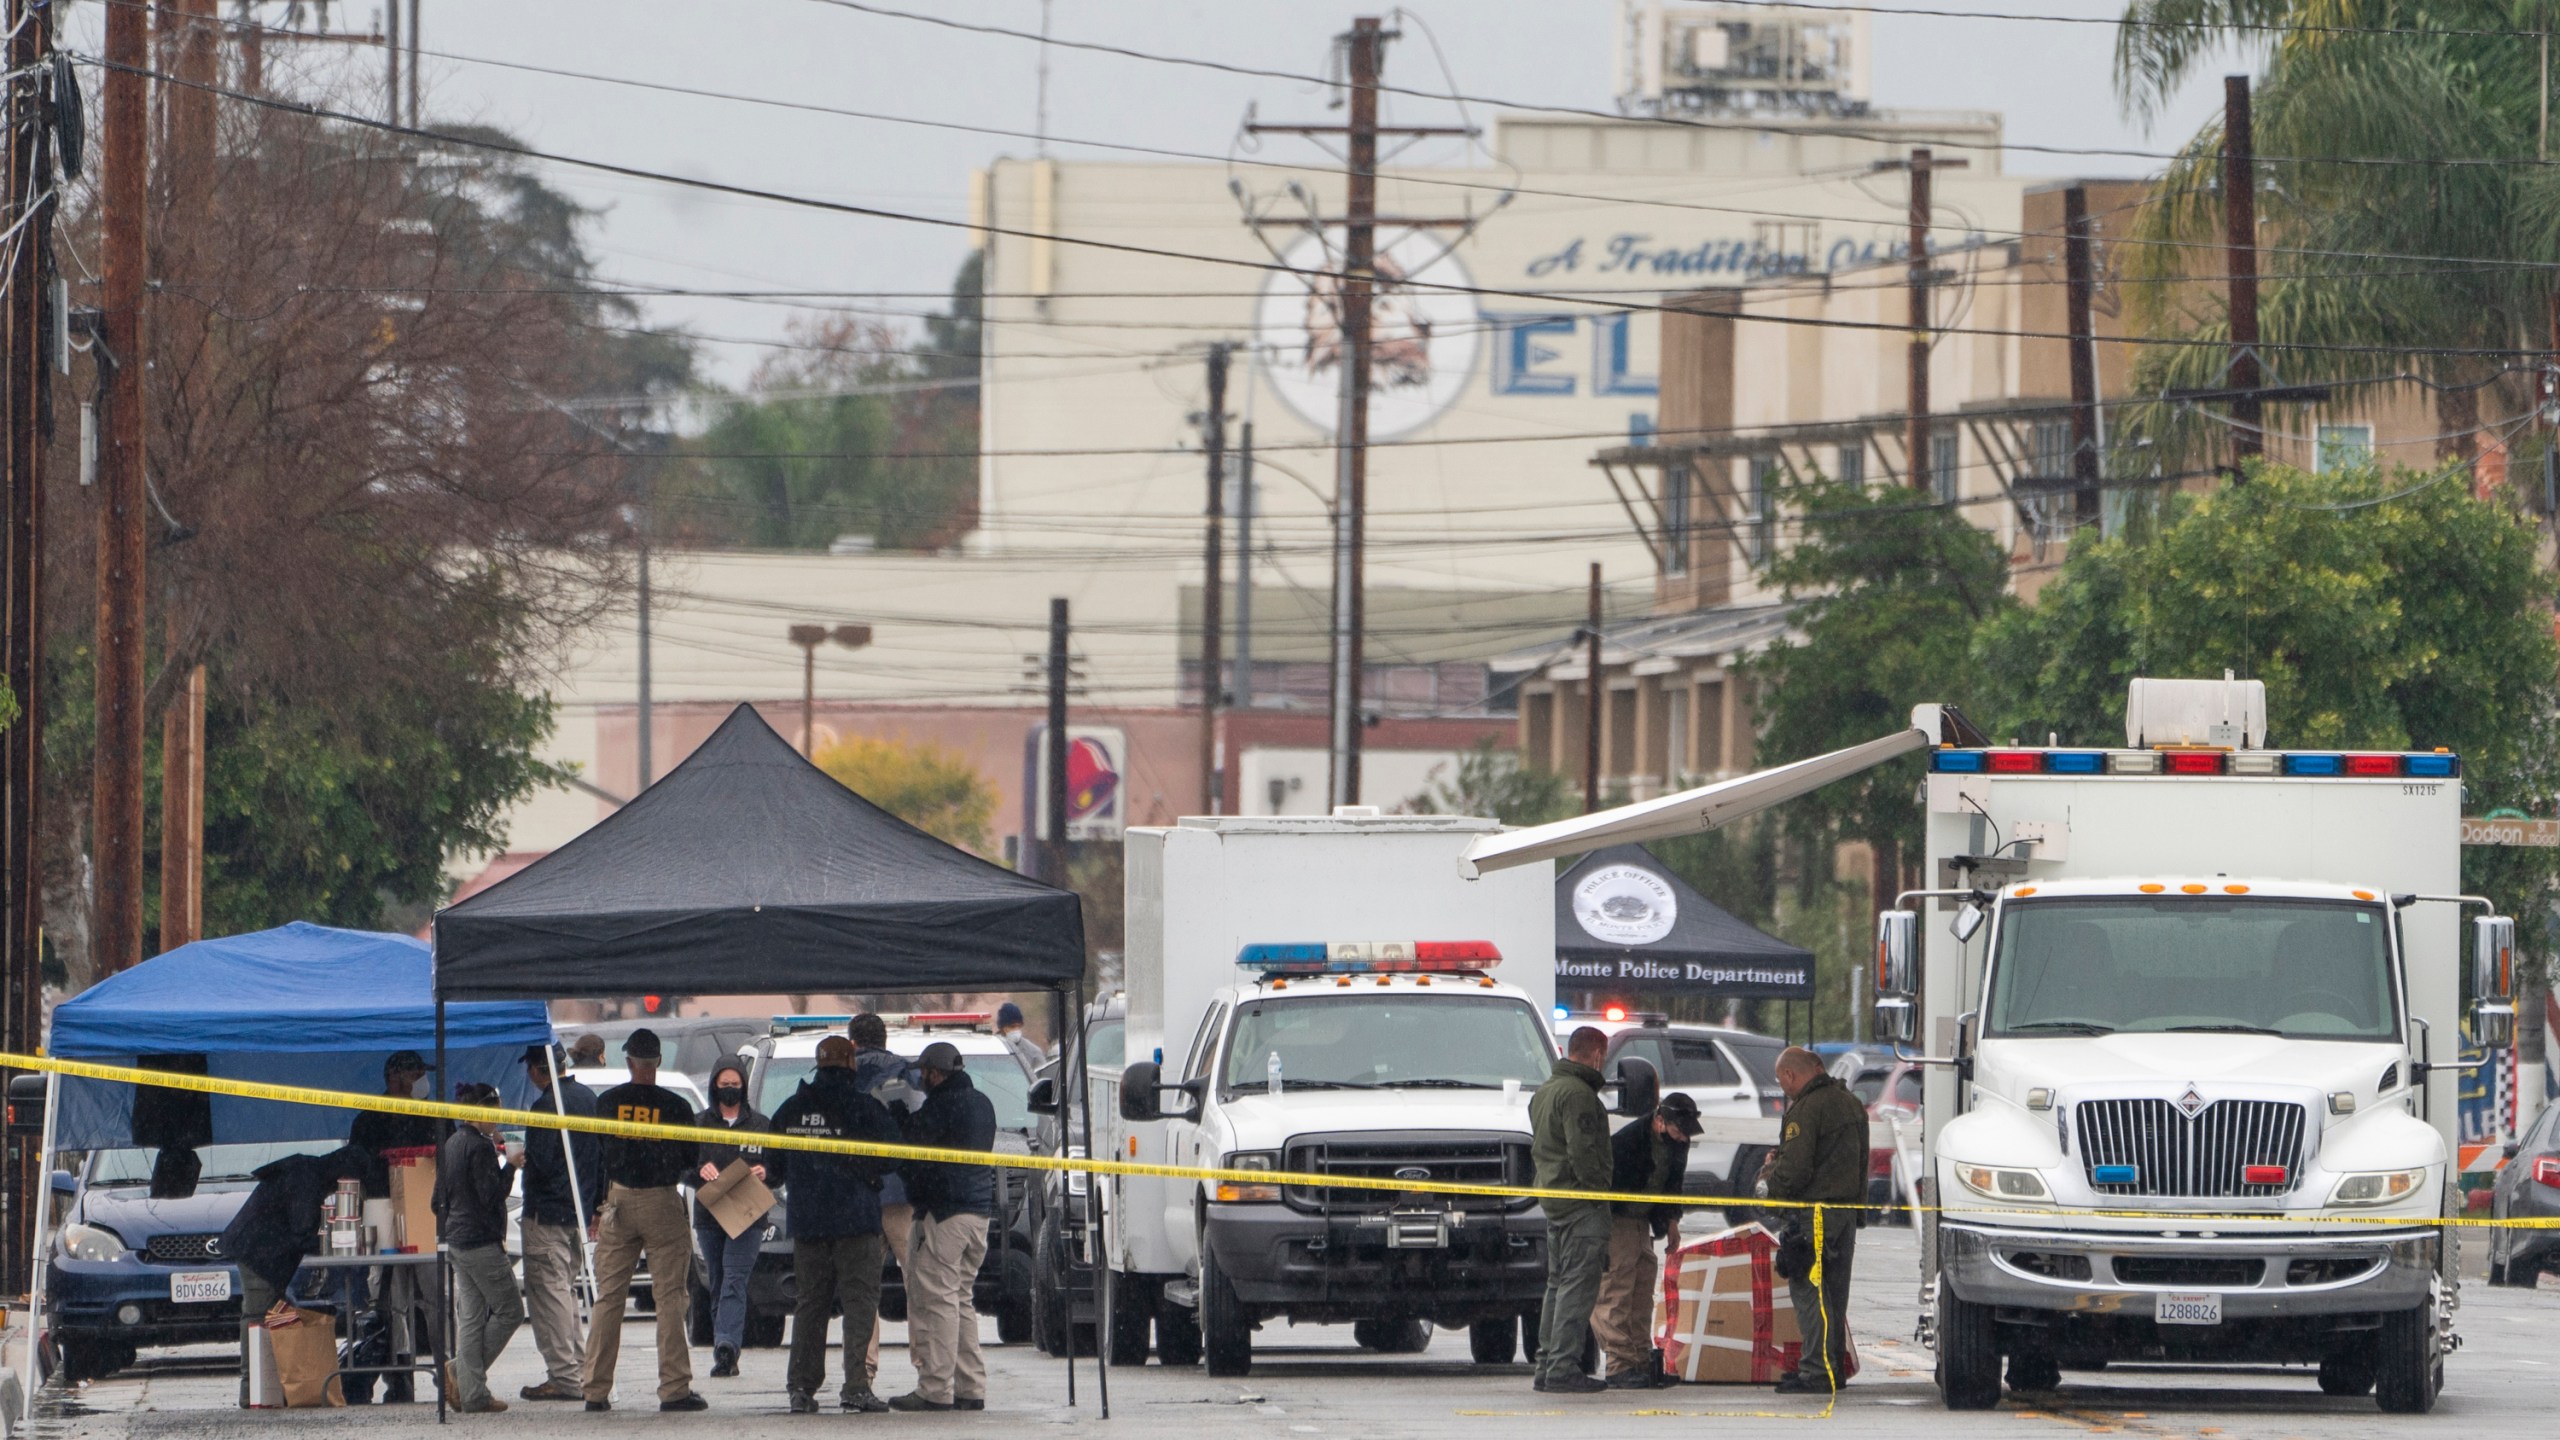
(1365, 957)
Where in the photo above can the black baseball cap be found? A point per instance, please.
(642, 1044)
(546, 1056)
(1682, 1112)
(941, 1055)
(408, 1061)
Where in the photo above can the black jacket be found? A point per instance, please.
(645, 1164)
(471, 1191)
(1643, 1163)
(718, 1153)
(954, 1117)
(832, 1196)
(280, 1221)
(377, 1131)
(546, 1170)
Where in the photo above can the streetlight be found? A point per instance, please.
(809, 638)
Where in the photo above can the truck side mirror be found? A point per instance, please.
(1897, 952)
(2493, 1025)
(1138, 1086)
(1897, 1019)
(1639, 1086)
(1044, 1097)
(26, 1105)
(2493, 958)
(1967, 924)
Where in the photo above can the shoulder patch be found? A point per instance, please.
(1793, 1129)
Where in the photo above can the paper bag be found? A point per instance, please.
(413, 1194)
(736, 1198)
(1725, 1315)
(305, 1344)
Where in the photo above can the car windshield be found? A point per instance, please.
(221, 1162)
(996, 1075)
(2306, 969)
(1377, 1042)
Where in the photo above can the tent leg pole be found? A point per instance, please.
(1066, 1258)
(442, 1340)
(569, 1161)
(44, 1244)
(1095, 1222)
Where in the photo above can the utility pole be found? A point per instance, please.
(189, 169)
(809, 638)
(24, 392)
(124, 204)
(648, 701)
(2078, 285)
(1213, 441)
(1915, 424)
(1244, 567)
(391, 107)
(1364, 47)
(1591, 692)
(1053, 799)
(414, 118)
(2240, 234)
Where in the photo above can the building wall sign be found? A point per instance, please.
(1423, 340)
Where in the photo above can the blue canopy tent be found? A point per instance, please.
(302, 1005)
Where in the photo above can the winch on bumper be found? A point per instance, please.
(2256, 1275)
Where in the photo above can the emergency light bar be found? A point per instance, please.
(1369, 957)
(2340, 765)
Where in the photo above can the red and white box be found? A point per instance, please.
(1724, 1316)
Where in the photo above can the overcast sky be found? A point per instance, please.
(2052, 83)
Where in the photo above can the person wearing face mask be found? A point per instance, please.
(731, 1260)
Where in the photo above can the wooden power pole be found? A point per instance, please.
(1213, 442)
(2078, 288)
(1915, 431)
(2240, 235)
(1594, 713)
(124, 205)
(1053, 795)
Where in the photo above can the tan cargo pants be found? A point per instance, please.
(634, 1223)
(897, 1223)
(1623, 1318)
(942, 1310)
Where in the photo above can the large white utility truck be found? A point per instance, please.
(2192, 1010)
(1329, 996)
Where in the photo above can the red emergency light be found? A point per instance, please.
(2370, 766)
(950, 1017)
(2016, 762)
(2546, 1171)
(2192, 762)
(2263, 1175)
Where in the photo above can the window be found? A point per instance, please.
(1699, 1062)
(2309, 969)
(2050, 443)
(1647, 1048)
(1381, 1042)
(1675, 730)
(1764, 507)
(2341, 447)
(1204, 1044)
(1676, 483)
(1945, 459)
(1849, 465)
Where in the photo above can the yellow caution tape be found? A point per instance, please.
(776, 1140)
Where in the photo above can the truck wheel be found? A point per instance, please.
(1494, 1342)
(2407, 1370)
(1968, 1352)
(1226, 1331)
(1013, 1310)
(2348, 1369)
(1177, 1336)
(1133, 1316)
(1741, 1181)
(2034, 1374)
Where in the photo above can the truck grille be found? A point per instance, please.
(1446, 1157)
(179, 1249)
(2204, 1157)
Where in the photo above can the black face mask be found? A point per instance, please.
(729, 1094)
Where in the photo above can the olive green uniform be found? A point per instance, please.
(1822, 1156)
(1569, 1150)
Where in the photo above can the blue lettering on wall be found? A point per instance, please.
(1568, 259)
(1520, 353)
(1612, 371)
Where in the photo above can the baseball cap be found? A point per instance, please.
(642, 1044)
(473, 1093)
(1008, 1013)
(941, 1055)
(835, 1052)
(405, 1060)
(543, 1055)
(1682, 1112)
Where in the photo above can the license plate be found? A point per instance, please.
(191, 1287)
(2176, 1309)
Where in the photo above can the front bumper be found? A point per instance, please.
(2259, 1276)
(1344, 1267)
(88, 1300)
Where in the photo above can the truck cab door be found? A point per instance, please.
(1184, 1145)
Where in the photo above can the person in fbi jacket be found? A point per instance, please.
(644, 1213)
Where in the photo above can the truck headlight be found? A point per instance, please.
(92, 1242)
(2000, 1184)
(1234, 1192)
(2378, 1187)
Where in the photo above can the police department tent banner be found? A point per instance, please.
(1625, 925)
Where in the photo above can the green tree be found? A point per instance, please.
(933, 789)
(1491, 780)
(2382, 613)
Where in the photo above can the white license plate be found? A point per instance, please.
(2177, 1309)
(189, 1287)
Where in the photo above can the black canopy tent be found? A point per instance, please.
(1624, 922)
(746, 870)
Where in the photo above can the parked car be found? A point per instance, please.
(694, 1043)
(1732, 1074)
(128, 1271)
(776, 1065)
(1890, 1088)
(2528, 1187)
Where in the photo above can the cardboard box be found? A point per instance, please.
(413, 1193)
(1725, 1316)
(736, 1198)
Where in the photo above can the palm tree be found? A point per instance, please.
(2380, 225)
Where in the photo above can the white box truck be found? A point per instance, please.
(1330, 996)
(2192, 1010)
